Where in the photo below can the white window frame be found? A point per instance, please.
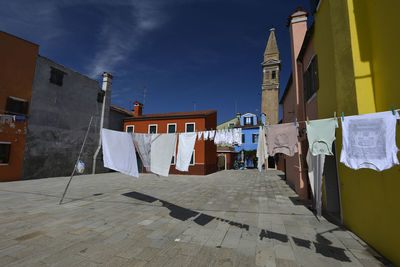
(194, 158)
(252, 137)
(169, 125)
(132, 126)
(6, 143)
(148, 131)
(194, 126)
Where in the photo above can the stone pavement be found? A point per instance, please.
(230, 218)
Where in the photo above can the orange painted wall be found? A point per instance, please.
(205, 151)
(17, 68)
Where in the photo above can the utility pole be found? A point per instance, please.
(107, 81)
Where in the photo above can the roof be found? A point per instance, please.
(288, 84)
(121, 110)
(177, 115)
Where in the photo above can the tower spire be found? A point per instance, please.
(271, 50)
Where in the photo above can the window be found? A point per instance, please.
(192, 159)
(4, 152)
(153, 128)
(310, 79)
(248, 121)
(243, 138)
(171, 128)
(16, 106)
(255, 138)
(189, 127)
(56, 76)
(130, 128)
(273, 76)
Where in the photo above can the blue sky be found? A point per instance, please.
(202, 54)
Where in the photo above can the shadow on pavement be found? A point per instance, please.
(322, 246)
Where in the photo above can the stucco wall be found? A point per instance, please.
(59, 117)
(358, 61)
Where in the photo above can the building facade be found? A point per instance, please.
(45, 110)
(17, 64)
(357, 47)
(204, 157)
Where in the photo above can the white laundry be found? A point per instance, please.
(211, 135)
(185, 151)
(217, 138)
(237, 136)
(315, 170)
(369, 141)
(261, 149)
(199, 134)
(206, 135)
(143, 146)
(229, 137)
(162, 149)
(119, 152)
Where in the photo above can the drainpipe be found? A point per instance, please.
(107, 81)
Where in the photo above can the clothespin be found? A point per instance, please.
(295, 121)
(308, 121)
(334, 115)
(342, 116)
(394, 114)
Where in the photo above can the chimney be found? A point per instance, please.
(137, 109)
(297, 23)
(107, 82)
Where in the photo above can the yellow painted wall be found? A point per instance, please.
(357, 43)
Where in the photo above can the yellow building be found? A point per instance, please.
(357, 43)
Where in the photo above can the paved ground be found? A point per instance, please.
(230, 218)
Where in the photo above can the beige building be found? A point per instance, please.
(270, 86)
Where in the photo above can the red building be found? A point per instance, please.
(204, 157)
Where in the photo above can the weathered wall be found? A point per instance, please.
(59, 117)
(116, 120)
(17, 64)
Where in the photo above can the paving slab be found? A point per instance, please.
(229, 218)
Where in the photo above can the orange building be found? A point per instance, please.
(204, 158)
(17, 68)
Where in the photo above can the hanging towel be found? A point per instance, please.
(185, 151)
(206, 135)
(119, 152)
(199, 134)
(315, 170)
(211, 135)
(143, 146)
(320, 135)
(261, 149)
(162, 149)
(282, 138)
(369, 141)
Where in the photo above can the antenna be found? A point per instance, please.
(144, 95)
(235, 107)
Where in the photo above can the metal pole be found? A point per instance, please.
(79, 156)
(106, 79)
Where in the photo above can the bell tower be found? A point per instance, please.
(270, 87)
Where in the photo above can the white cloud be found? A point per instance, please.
(119, 37)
